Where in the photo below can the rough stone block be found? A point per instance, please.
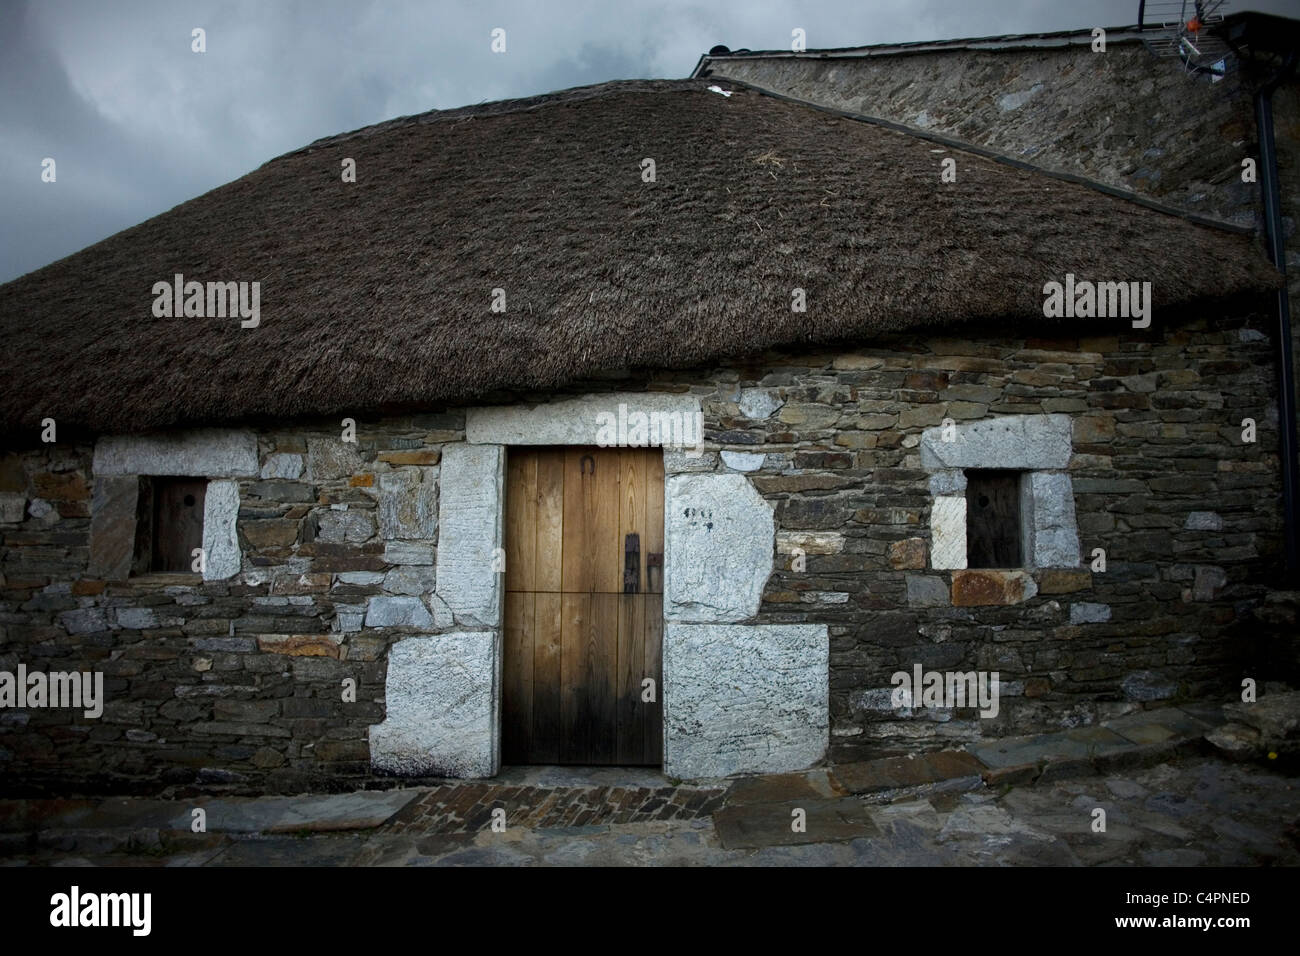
(330, 458)
(908, 554)
(398, 612)
(470, 534)
(1048, 526)
(759, 404)
(809, 542)
(408, 504)
(12, 507)
(927, 591)
(1061, 581)
(981, 588)
(743, 461)
(1084, 612)
(744, 698)
(408, 552)
(221, 554)
(442, 706)
(339, 527)
(201, 453)
(1030, 442)
(112, 527)
(670, 419)
(282, 465)
(948, 532)
(1203, 521)
(409, 580)
(719, 535)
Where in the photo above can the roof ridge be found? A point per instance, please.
(518, 104)
(999, 157)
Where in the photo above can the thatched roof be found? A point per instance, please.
(377, 294)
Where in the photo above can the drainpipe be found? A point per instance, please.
(1268, 184)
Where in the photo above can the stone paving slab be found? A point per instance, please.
(468, 807)
(1083, 743)
(770, 824)
(1193, 812)
(321, 813)
(895, 773)
(1157, 726)
(311, 812)
(780, 787)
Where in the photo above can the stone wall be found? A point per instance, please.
(239, 680)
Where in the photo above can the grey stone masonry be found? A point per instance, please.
(719, 537)
(469, 568)
(741, 699)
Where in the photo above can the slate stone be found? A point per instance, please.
(769, 824)
(112, 527)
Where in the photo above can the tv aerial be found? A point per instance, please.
(1191, 30)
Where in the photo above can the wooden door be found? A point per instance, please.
(177, 522)
(584, 606)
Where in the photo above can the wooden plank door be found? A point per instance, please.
(584, 606)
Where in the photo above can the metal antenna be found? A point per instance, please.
(1190, 30)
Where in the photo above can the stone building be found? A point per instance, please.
(639, 423)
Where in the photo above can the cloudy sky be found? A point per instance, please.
(137, 122)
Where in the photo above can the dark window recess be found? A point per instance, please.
(992, 519)
(169, 524)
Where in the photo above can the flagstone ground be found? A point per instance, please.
(1167, 799)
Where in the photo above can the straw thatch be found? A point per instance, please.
(377, 294)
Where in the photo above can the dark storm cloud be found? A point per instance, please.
(138, 123)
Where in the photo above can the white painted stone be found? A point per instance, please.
(743, 461)
(39, 508)
(719, 535)
(329, 458)
(759, 404)
(1030, 442)
(673, 419)
(398, 612)
(744, 698)
(408, 503)
(442, 707)
(948, 532)
(221, 554)
(12, 507)
(282, 465)
(200, 453)
(470, 532)
(1049, 533)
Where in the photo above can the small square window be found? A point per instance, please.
(993, 528)
(169, 524)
